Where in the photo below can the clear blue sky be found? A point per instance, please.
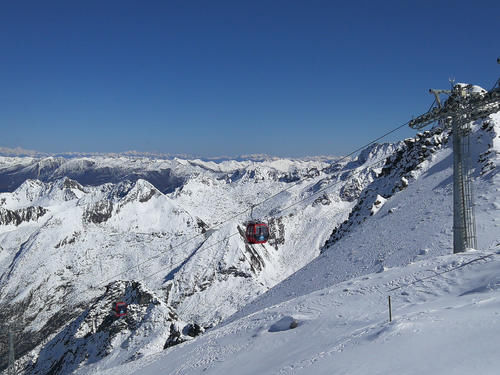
(211, 78)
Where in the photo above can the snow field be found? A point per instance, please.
(448, 324)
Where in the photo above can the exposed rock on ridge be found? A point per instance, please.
(19, 216)
(398, 170)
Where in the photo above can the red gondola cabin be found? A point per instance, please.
(257, 232)
(120, 309)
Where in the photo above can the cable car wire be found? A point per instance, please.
(173, 265)
(335, 183)
(100, 284)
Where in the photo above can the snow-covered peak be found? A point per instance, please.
(29, 191)
(376, 152)
(36, 192)
(142, 191)
(45, 165)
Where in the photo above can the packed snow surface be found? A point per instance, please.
(445, 320)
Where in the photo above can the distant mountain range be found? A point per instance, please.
(20, 152)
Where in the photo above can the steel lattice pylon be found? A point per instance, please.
(463, 106)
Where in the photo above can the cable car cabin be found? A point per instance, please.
(120, 309)
(257, 232)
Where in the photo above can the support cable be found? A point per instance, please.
(100, 284)
(171, 266)
(335, 183)
(441, 273)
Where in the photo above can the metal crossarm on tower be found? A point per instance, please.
(436, 93)
(462, 107)
(474, 106)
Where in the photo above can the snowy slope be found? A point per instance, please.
(445, 307)
(448, 324)
(416, 222)
(64, 246)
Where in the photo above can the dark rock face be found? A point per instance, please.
(174, 338)
(297, 175)
(276, 232)
(333, 169)
(26, 340)
(118, 190)
(202, 225)
(98, 212)
(19, 216)
(179, 335)
(487, 165)
(257, 263)
(72, 184)
(351, 190)
(232, 270)
(89, 331)
(142, 192)
(322, 199)
(253, 257)
(290, 177)
(68, 240)
(192, 330)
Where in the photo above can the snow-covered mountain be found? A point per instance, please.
(166, 236)
(165, 171)
(332, 316)
(66, 247)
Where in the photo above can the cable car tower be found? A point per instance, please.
(463, 106)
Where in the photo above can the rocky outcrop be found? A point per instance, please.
(142, 192)
(98, 212)
(323, 199)
(95, 331)
(21, 215)
(488, 157)
(397, 171)
(68, 240)
(351, 190)
(180, 333)
(299, 175)
(276, 232)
